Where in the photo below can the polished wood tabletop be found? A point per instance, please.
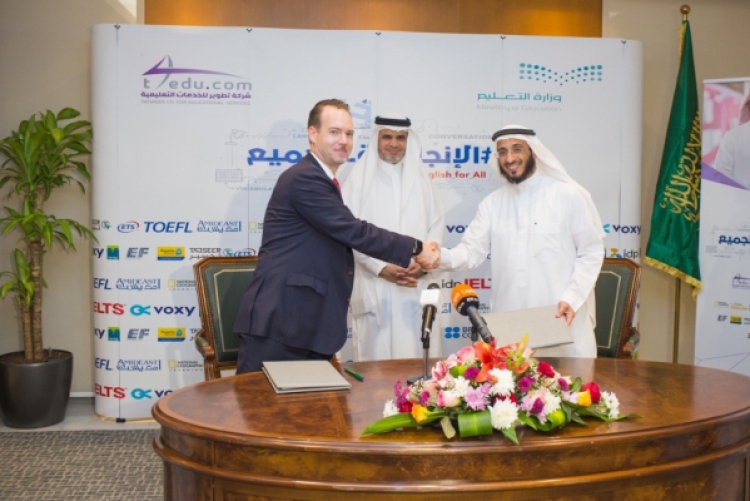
(235, 438)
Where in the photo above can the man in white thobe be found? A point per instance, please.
(545, 238)
(389, 187)
(733, 157)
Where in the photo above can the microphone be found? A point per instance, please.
(429, 301)
(465, 300)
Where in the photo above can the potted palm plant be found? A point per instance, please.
(43, 154)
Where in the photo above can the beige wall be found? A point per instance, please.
(720, 41)
(45, 63)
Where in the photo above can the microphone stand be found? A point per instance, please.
(425, 358)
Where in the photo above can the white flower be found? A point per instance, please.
(460, 385)
(505, 384)
(390, 409)
(503, 414)
(570, 396)
(612, 404)
(551, 403)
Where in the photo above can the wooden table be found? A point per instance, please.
(235, 439)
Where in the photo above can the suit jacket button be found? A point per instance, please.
(351, 272)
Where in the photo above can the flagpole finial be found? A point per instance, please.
(685, 9)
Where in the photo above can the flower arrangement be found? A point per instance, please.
(484, 387)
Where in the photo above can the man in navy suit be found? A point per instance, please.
(295, 307)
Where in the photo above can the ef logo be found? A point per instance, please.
(140, 394)
(139, 310)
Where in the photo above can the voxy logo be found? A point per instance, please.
(458, 228)
(128, 227)
(170, 253)
(621, 228)
(167, 227)
(109, 308)
(139, 309)
(166, 67)
(171, 334)
(99, 333)
(138, 284)
(109, 391)
(141, 393)
(206, 226)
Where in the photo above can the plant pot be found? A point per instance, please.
(35, 395)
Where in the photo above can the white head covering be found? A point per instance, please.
(418, 196)
(547, 163)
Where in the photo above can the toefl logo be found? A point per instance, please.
(128, 227)
(102, 363)
(219, 226)
(102, 283)
(167, 227)
(138, 284)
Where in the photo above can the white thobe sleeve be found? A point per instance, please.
(724, 161)
(374, 266)
(589, 256)
(475, 245)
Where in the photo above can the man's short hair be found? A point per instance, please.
(314, 119)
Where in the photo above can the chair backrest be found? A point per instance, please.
(616, 290)
(221, 283)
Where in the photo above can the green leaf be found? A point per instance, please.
(57, 135)
(528, 420)
(67, 114)
(50, 122)
(510, 434)
(576, 386)
(401, 420)
(6, 288)
(475, 424)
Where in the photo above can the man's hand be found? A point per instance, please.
(565, 310)
(429, 258)
(399, 276)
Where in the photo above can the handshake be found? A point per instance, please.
(429, 258)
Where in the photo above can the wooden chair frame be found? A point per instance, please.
(630, 337)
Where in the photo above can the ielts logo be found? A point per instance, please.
(109, 391)
(109, 308)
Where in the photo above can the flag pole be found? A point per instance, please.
(685, 10)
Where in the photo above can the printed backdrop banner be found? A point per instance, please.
(722, 330)
(194, 126)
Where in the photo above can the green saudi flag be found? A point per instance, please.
(673, 243)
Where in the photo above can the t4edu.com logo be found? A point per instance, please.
(165, 83)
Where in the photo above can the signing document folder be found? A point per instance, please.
(304, 375)
(539, 323)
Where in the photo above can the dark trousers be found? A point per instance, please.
(254, 350)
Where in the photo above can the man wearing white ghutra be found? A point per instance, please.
(389, 187)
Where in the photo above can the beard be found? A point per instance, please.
(390, 159)
(528, 170)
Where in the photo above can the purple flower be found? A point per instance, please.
(538, 406)
(471, 373)
(401, 394)
(478, 398)
(563, 384)
(525, 383)
(424, 398)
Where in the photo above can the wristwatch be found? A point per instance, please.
(417, 248)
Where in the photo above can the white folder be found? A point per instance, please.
(539, 323)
